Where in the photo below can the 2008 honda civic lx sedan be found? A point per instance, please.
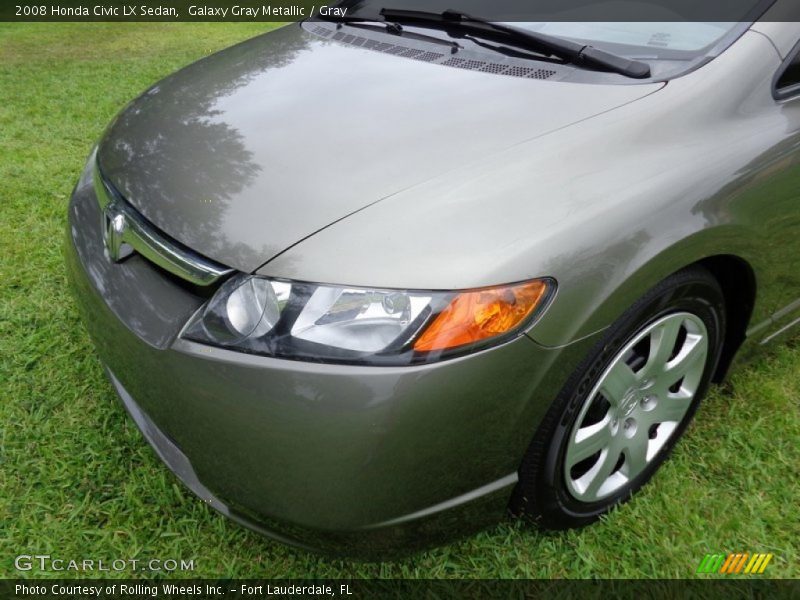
(370, 280)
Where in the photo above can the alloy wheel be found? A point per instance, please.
(636, 405)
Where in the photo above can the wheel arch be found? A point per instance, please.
(631, 279)
(738, 281)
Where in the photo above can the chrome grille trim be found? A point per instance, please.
(126, 231)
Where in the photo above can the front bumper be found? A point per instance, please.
(353, 459)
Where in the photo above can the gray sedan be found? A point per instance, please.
(374, 279)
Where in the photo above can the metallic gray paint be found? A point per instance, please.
(608, 206)
(321, 447)
(303, 159)
(242, 154)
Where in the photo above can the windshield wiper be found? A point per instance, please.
(573, 52)
(390, 27)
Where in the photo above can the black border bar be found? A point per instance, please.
(495, 10)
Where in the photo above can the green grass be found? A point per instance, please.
(78, 481)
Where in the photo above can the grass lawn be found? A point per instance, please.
(78, 481)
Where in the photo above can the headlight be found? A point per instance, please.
(362, 325)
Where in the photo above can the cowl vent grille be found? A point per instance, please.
(513, 69)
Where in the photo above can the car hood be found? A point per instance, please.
(252, 150)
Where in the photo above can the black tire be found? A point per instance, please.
(542, 495)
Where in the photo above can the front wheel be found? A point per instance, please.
(626, 405)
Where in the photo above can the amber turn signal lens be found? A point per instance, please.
(474, 316)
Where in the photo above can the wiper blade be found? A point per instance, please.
(572, 52)
(390, 26)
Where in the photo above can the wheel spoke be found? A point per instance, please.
(589, 441)
(635, 452)
(619, 379)
(691, 356)
(670, 408)
(601, 471)
(662, 342)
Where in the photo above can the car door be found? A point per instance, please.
(778, 204)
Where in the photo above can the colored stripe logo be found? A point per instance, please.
(734, 563)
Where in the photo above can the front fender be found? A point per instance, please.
(595, 292)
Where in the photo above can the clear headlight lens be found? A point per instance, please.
(360, 325)
(244, 307)
(358, 320)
